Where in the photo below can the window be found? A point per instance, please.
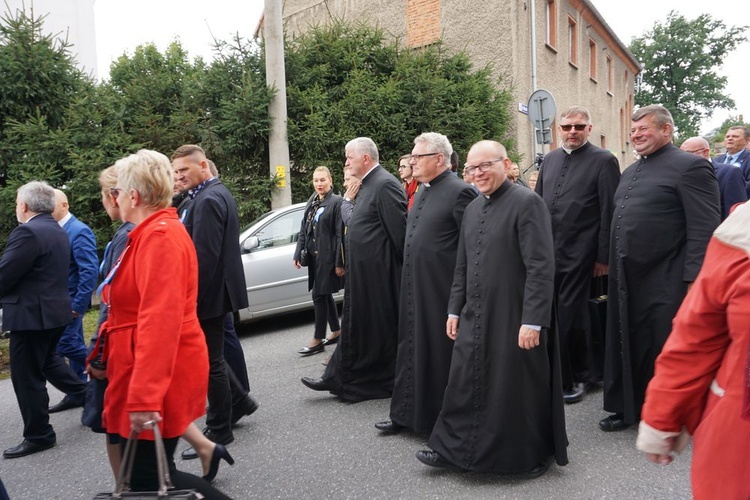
(592, 59)
(572, 41)
(610, 76)
(283, 230)
(552, 23)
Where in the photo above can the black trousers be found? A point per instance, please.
(33, 362)
(233, 353)
(223, 388)
(146, 478)
(325, 312)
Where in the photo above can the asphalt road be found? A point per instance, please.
(302, 444)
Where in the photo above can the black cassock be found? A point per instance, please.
(424, 350)
(666, 208)
(503, 407)
(578, 189)
(363, 365)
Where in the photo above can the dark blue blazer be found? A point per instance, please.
(84, 264)
(743, 162)
(731, 186)
(212, 221)
(34, 276)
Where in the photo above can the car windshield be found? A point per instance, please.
(255, 221)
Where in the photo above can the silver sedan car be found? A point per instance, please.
(274, 285)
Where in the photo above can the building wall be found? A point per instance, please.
(499, 33)
(71, 19)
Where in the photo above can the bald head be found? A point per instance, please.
(698, 146)
(61, 205)
(489, 165)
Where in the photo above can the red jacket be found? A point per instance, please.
(156, 352)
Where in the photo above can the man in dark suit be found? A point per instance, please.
(36, 308)
(82, 277)
(731, 183)
(212, 221)
(735, 141)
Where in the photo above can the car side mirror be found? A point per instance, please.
(250, 244)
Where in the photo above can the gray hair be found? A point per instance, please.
(576, 110)
(438, 143)
(659, 113)
(364, 146)
(38, 196)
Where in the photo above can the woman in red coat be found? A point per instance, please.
(701, 386)
(157, 361)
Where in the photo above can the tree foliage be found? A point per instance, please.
(681, 58)
(343, 81)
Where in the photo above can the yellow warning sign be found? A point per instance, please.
(280, 176)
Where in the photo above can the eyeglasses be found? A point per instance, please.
(695, 151)
(482, 167)
(403, 166)
(115, 191)
(417, 157)
(578, 126)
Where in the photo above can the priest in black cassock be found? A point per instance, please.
(432, 229)
(577, 182)
(503, 407)
(363, 365)
(666, 208)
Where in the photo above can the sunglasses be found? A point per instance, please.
(578, 126)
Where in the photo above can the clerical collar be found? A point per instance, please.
(568, 151)
(438, 178)
(368, 172)
(200, 187)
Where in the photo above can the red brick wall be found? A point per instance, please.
(422, 22)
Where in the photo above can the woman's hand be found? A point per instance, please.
(297, 264)
(140, 419)
(353, 189)
(339, 271)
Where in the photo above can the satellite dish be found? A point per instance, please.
(542, 109)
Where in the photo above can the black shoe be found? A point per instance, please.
(67, 403)
(220, 452)
(538, 470)
(225, 438)
(331, 340)
(244, 408)
(316, 384)
(26, 448)
(435, 459)
(389, 427)
(574, 394)
(306, 351)
(613, 423)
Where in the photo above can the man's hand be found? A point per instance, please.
(94, 373)
(451, 328)
(600, 269)
(138, 419)
(339, 271)
(528, 338)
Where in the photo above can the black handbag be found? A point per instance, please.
(122, 490)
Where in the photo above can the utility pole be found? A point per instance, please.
(278, 145)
